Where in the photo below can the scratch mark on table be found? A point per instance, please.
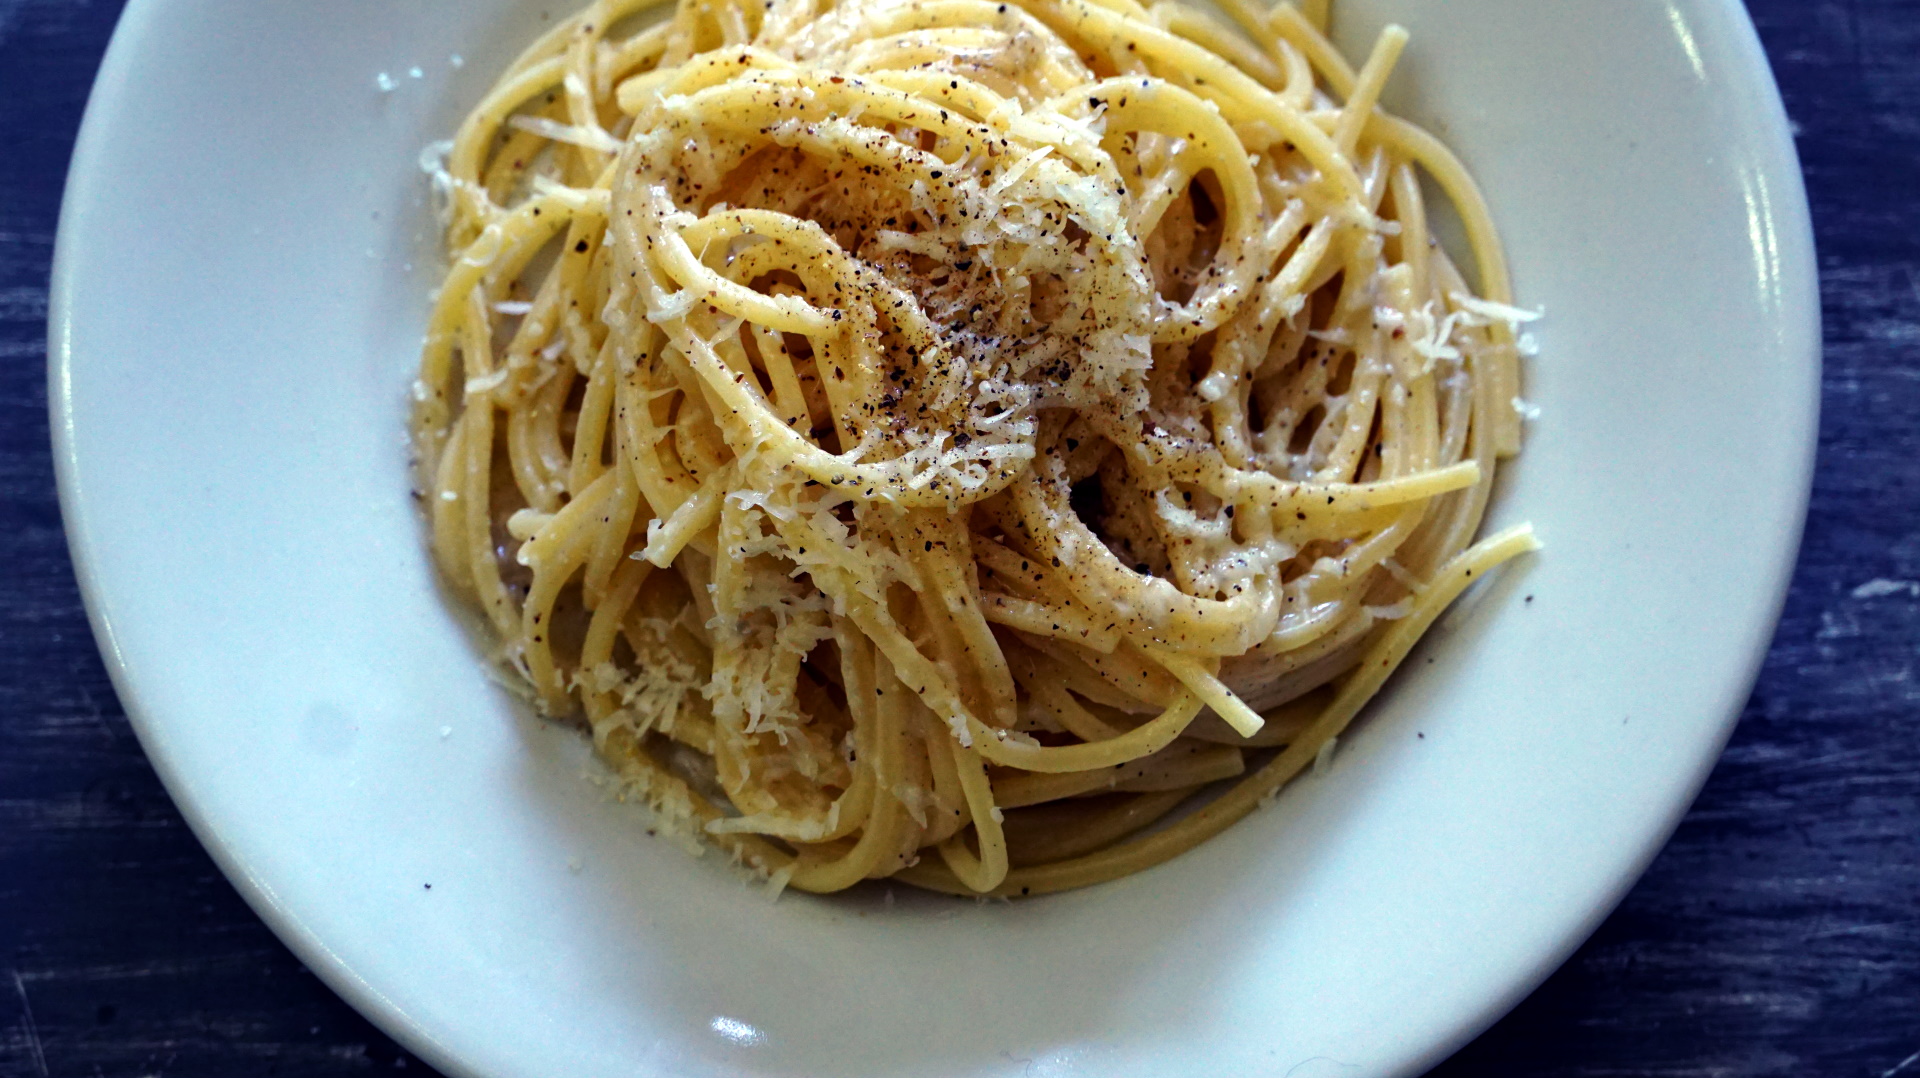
(33, 1032)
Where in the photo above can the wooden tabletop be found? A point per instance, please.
(1778, 933)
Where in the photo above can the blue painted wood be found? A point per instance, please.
(1779, 932)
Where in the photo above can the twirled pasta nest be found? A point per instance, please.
(939, 439)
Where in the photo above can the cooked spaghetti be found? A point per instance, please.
(940, 440)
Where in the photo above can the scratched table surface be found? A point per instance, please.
(1777, 934)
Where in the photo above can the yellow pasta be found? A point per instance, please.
(940, 439)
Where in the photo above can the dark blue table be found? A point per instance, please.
(1778, 933)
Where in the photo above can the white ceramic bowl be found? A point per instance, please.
(244, 262)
